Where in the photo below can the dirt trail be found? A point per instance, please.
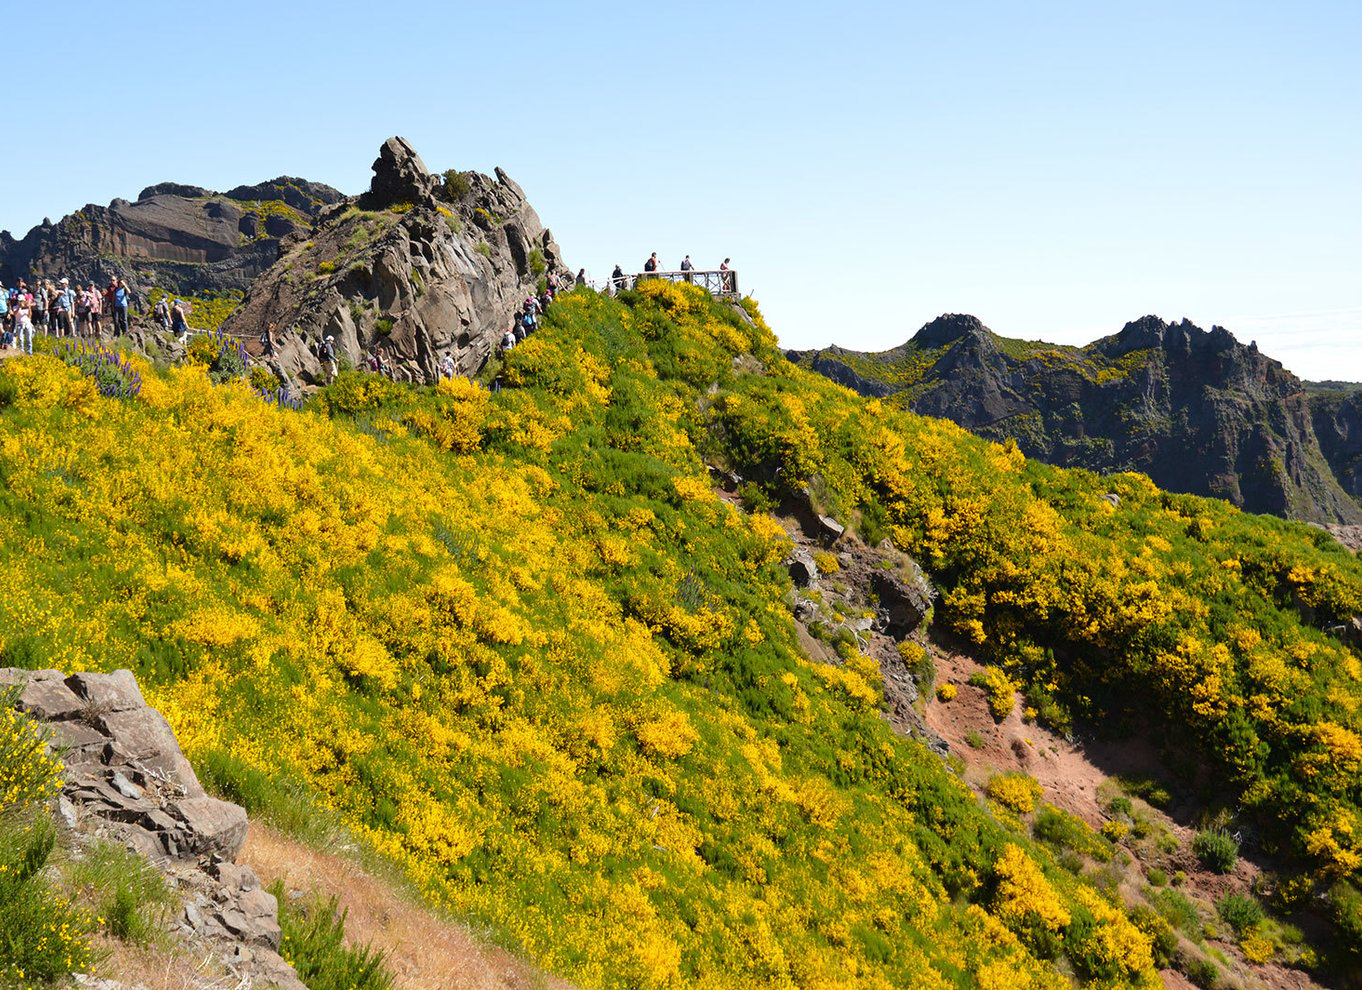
(425, 951)
(1072, 776)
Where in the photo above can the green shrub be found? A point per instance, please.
(974, 739)
(1061, 830)
(286, 805)
(1216, 849)
(483, 248)
(1202, 972)
(314, 942)
(43, 934)
(537, 263)
(128, 892)
(1157, 877)
(456, 186)
(1178, 911)
(1120, 806)
(1239, 911)
(1147, 788)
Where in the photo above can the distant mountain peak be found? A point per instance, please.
(949, 327)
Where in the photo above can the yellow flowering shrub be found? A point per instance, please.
(1023, 892)
(1018, 792)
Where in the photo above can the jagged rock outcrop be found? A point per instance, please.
(185, 239)
(421, 266)
(1195, 410)
(127, 780)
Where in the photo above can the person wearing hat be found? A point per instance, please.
(179, 326)
(65, 306)
(617, 277)
(329, 354)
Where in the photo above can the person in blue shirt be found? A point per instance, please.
(121, 298)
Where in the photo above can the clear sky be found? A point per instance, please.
(1056, 169)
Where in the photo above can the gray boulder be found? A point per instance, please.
(803, 570)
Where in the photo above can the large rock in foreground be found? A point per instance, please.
(421, 266)
(127, 780)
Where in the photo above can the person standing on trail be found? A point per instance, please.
(329, 356)
(179, 326)
(617, 277)
(580, 280)
(66, 307)
(687, 267)
(447, 365)
(39, 312)
(23, 323)
(651, 264)
(724, 277)
(121, 298)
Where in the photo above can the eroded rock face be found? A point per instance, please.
(408, 268)
(188, 240)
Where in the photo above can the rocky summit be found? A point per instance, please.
(1196, 410)
(421, 266)
(183, 239)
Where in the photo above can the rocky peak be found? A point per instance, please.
(408, 269)
(399, 177)
(948, 328)
(173, 189)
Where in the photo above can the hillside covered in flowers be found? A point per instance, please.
(516, 640)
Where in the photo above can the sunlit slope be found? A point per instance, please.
(518, 643)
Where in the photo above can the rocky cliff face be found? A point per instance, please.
(187, 240)
(1197, 411)
(420, 266)
(1336, 413)
(126, 781)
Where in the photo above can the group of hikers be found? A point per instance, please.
(620, 281)
(526, 320)
(62, 310)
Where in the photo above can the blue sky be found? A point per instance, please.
(1054, 168)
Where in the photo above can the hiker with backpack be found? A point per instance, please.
(329, 356)
(687, 267)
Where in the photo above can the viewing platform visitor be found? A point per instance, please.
(721, 282)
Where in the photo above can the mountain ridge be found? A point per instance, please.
(1196, 410)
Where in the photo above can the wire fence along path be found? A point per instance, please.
(716, 283)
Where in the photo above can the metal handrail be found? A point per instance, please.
(715, 282)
